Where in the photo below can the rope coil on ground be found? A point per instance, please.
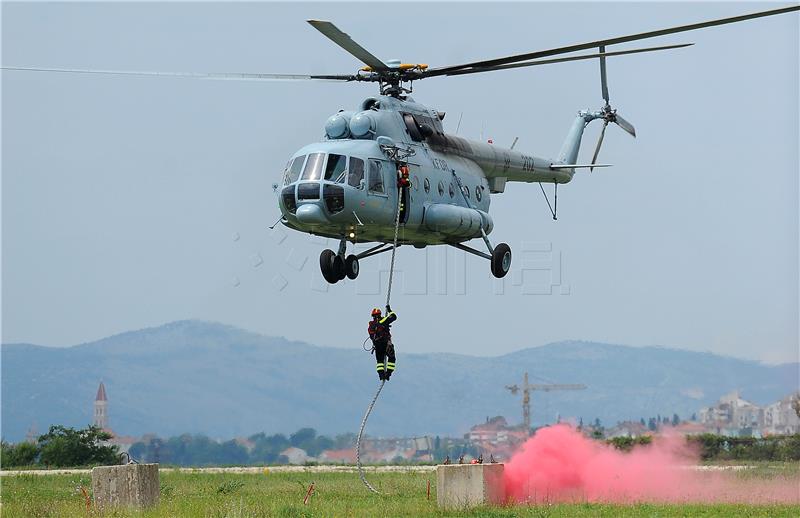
(358, 440)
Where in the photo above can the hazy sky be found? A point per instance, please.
(128, 202)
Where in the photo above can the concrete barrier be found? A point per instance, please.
(129, 485)
(461, 486)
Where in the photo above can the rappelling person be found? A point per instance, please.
(381, 336)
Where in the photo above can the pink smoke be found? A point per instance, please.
(558, 464)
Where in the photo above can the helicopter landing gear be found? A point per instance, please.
(326, 260)
(499, 256)
(332, 266)
(501, 260)
(351, 267)
(336, 267)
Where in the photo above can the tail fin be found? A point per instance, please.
(572, 144)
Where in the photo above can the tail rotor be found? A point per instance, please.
(608, 114)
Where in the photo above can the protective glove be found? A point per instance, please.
(388, 309)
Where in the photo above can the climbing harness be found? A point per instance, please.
(383, 382)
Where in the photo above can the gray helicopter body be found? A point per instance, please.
(346, 185)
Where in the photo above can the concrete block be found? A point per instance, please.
(461, 486)
(129, 485)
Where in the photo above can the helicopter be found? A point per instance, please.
(344, 186)
(386, 173)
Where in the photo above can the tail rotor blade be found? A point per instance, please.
(599, 143)
(603, 80)
(627, 126)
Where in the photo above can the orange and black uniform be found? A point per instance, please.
(380, 333)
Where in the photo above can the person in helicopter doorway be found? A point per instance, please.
(381, 335)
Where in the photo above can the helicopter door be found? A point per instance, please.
(378, 191)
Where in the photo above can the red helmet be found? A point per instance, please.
(376, 312)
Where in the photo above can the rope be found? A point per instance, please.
(358, 441)
(383, 382)
(394, 246)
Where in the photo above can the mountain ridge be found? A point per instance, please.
(207, 377)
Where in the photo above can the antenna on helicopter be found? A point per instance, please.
(608, 114)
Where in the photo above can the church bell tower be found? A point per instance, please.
(101, 408)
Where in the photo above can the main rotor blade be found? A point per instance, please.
(627, 126)
(560, 60)
(225, 76)
(599, 143)
(603, 79)
(609, 41)
(346, 42)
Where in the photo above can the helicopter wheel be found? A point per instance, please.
(351, 267)
(501, 260)
(338, 268)
(326, 260)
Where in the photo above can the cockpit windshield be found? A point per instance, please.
(293, 169)
(335, 169)
(313, 169)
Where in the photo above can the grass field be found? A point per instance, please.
(336, 495)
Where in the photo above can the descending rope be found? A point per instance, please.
(394, 246)
(383, 382)
(358, 440)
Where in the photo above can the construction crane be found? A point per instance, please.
(527, 388)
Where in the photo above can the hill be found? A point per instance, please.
(202, 377)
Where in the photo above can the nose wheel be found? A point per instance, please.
(335, 268)
(351, 267)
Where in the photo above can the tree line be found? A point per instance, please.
(259, 449)
(67, 447)
(713, 447)
(62, 447)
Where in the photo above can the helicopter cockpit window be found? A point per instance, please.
(478, 193)
(313, 169)
(334, 171)
(356, 173)
(427, 186)
(412, 128)
(293, 170)
(375, 177)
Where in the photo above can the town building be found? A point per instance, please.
(627, 429)
(781, 417)
(734, 416)
(496, 438)
(296, 455)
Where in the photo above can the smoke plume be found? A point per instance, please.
(559, 464)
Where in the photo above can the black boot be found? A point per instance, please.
(388, 375)
(381, 376)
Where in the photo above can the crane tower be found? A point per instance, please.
(527, 388)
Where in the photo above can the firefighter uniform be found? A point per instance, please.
(380, 333)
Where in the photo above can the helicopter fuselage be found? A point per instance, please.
(345, 186)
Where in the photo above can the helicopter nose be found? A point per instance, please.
(311, 213)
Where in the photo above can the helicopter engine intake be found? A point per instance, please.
(338, 126)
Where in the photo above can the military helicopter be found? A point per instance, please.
(387, 173)
(345, 186)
